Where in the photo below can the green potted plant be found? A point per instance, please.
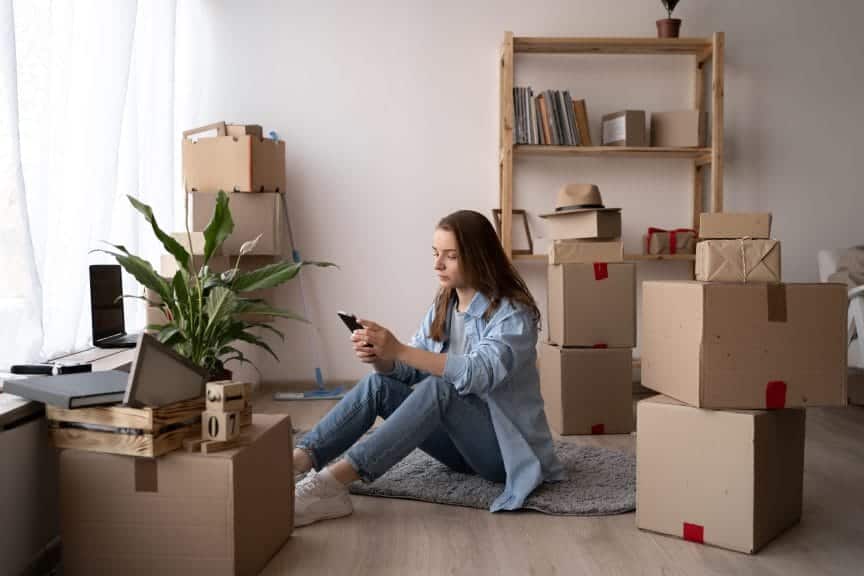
(208, 312)
(669, 27)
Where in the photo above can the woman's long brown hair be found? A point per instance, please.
(484, 267)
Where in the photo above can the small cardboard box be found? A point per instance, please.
(738, 261)
(586, 251)
(184, 513)
(587, 224)
(731, 225)
(748, 346)
(678, 241)
(625, 128)
(253, 214)
(234, 164)
(727, 478)
(592, 304)
(587, 391)
(678, 129)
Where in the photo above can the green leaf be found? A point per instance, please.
(220, 304)
(272, 275)
(266, 326)
(171, 245)
(170, 334)
(265, 309)
(219, 228)
(143, 272)
(256, 341)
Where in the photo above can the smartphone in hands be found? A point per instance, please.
(351, 322)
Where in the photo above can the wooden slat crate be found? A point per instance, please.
(146, 432)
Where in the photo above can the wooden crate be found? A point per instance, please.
(146, 432)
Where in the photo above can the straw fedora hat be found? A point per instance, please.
(578, 198)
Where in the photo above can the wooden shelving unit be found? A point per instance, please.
(702, 50)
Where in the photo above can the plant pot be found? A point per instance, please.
(668, 27)
(219, 374)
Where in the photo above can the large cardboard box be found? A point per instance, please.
(749, 346)
(678, 129)
(856, 385)
(234, 164)
(738, 261)
(625, 128)
(727, 478)
(184, 513)
(588, 224)
(28, 488)
(586, 251)
(731, 225)
(587, 391)
(592, 304)
(253, 214)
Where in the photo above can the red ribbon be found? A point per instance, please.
(673, 237)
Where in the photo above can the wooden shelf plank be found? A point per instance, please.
(630, 257)
(701, 47)
(701, 154)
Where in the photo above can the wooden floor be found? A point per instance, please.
(387, 536)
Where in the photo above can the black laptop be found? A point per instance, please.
(106, 308)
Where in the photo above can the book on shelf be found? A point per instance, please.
(551, 118)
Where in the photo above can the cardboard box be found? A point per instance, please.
(625, 128)
(738, 261)
(253, 214)
(604, 224)
(749, 346)
(184, 513)
(678, 241)
(587, 391)
(731, 225)
(586, 251)
(244, 130)
(592, 304)
(678, 129)
(234, 164)
(855, 378)
(197, 246)
(727, 478)
(28, 490)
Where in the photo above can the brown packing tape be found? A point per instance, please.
(146, 478)
(776, 298)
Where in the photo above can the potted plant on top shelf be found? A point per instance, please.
(208, 312)
(669, 27)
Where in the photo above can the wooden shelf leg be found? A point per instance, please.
(717, 93)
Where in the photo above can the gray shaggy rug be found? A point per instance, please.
(600, 482)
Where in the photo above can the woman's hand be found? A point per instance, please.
(384, 345)
(363, 352)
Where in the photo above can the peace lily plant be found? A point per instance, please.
(209, 312)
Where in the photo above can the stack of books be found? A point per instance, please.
(551, 118)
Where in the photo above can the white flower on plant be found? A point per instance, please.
(249, 245)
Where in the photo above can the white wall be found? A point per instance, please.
(390, 115)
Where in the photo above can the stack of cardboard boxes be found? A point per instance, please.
(720, 455)
(585, 367)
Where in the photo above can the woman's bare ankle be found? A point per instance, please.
(302, 461)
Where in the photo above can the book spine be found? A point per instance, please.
(571, 119)
(535, 135)
(581, 110)
(562, 122)
(553, 116)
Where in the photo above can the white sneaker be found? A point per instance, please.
(299, 477)
(319, 496)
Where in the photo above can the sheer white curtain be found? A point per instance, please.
(86, 117)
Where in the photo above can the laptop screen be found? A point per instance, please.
(106, 306)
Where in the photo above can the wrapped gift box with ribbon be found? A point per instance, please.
(742, 260)
(677, 241)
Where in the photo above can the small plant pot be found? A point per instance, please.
(668, 27)
(219, 374)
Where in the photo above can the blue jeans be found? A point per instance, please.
(455, 430)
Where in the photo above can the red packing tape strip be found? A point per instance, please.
(694, 533)
(601, 270)
(600, 346)
(598, 429)
(775, 394)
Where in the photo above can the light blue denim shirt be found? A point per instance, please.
(500, 366)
